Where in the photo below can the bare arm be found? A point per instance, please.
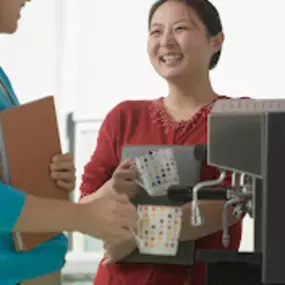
(114, 252)
(212, 217)
(22, 212)
(122, 181)
(105, 189)
(48, 215)
(108, 218)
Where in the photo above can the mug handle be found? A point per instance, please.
(137, 181)
(141, 185)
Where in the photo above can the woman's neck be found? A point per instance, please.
(191, 94)
(186, 98)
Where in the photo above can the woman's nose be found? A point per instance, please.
(167, 39)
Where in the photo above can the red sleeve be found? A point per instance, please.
(105, 158)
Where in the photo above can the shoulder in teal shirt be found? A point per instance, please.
(16, 267)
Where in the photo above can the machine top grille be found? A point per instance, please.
(248, 106)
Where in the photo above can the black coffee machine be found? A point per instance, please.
(247, 138)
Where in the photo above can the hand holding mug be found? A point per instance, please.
(124, 179)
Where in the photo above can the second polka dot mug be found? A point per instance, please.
(158, 229)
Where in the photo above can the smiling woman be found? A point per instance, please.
(184, 44)
(189, 39)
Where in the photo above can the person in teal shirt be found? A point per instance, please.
(110, 217)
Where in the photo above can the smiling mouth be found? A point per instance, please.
(171, 58)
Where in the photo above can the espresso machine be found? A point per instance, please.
(247, 139)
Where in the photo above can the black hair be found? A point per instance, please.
(207, 13)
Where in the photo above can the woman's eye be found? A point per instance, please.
(154, 32)
(181, 28)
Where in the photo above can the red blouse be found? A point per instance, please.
(147, 122)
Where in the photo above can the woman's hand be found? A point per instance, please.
(63, 171)
(124, 179)
(116, 252)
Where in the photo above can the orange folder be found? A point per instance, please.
(31, 138)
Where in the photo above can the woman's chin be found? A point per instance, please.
(173, 75)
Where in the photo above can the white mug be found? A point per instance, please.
(158, 230)
(157, 171)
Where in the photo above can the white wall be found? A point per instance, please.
(114, 64)
(253, 57)
(41, 57)
(31, 55)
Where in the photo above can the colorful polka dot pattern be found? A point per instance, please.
(159, 227)
(158, 170)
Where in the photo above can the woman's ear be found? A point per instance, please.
(217, 42)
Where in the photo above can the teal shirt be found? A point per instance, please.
(16, 267)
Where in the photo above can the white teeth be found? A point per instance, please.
(171, 57)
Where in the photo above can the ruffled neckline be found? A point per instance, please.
(161, 116)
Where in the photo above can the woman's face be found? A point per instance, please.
(10, 14)
(178, 42)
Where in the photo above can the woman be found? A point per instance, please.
(25, 213)
(185, 42)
